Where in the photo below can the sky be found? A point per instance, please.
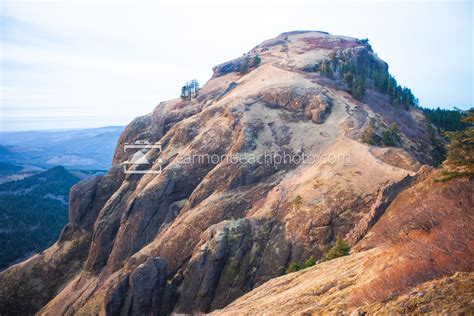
(75, 64)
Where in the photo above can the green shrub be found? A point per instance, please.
(453, 175)
(461, 148)
(309, 262)
(298, 201)
(349, 80)
(358, 88)
(340, 248)
(368, 134)
(293, 267)
(390, 136)
(244, 67)
(326, 69)
(256, 61)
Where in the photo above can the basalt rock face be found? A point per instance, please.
(202, 229)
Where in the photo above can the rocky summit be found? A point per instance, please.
(327, 147)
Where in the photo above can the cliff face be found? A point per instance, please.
(202, 232)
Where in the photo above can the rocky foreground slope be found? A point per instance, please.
(418, 258)
(201, 233)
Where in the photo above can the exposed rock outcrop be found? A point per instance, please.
(141, 291)
(382, 201)
(228, 67)
(319, 110)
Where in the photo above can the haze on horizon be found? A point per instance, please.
(76, 64)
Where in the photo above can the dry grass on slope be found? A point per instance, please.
(425, 236)
(429, 232)
(451, 295)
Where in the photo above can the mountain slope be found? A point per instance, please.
(202, 232)
(33, 212)
(426, 234)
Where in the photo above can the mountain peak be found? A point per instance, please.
(297, 49)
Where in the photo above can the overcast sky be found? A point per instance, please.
(78, 64)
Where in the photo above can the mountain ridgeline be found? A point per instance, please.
(196, 235)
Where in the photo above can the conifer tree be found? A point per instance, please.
(256, 61)
(339, 249)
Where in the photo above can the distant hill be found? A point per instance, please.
(26, 153)
(33, 211)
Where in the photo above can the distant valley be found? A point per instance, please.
(26, 153)
(33, 211)
(37, 171)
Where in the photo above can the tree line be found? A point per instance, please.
(355, 71)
